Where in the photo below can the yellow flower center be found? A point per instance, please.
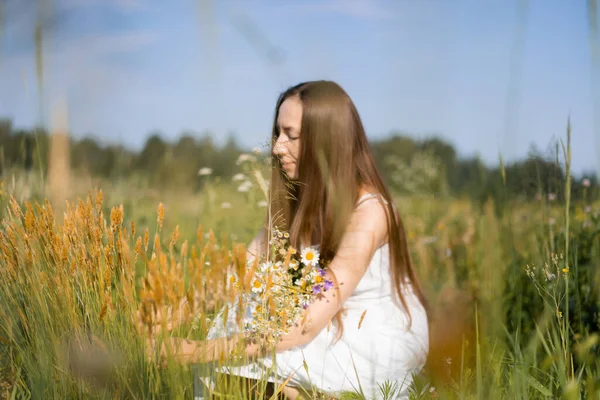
(310, 256)
(257, 284)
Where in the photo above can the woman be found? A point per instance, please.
(327, 190)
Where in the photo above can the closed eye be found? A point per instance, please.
(286, 132)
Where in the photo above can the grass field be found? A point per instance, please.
(513, 289)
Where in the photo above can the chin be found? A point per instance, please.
(291, 176)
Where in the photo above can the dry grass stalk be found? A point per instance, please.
(59, 160)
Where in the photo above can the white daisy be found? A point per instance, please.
(266, 266)
(310, 256)
(257, 286)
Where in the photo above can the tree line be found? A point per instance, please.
(410, 166)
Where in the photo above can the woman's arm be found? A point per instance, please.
(258, 245)
(365, 233)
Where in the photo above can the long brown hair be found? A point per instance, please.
(335, 162)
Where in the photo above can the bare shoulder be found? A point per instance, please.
(370, 218)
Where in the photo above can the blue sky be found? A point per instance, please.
(490, 76)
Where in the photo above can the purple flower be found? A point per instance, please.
(321, 272)
(316, 289)
(305, 306)
(328, 285)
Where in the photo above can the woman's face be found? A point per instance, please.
(287, 146)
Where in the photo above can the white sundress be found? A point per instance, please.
(384, 350)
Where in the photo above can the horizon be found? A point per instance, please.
(489, 79)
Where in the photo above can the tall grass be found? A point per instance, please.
(514, 295)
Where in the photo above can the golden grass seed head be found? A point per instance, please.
(160, 215)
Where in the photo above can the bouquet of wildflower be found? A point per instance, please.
(281, 287)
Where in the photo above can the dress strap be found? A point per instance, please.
(364, 198)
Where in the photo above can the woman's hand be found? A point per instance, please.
(185, 351)
(180, 350)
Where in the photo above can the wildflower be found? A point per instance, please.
(294, 265)
(565, 270)
(257, 286)
(586, 183)
(285, 285)
(551, 196)
(244, 187)
(587, 209)
(225, 205)
(266, 267)
(245, 158)
(310, 257)
(238, 177)
(549, 276)
(205, 171)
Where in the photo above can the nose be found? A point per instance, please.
(279, 148)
